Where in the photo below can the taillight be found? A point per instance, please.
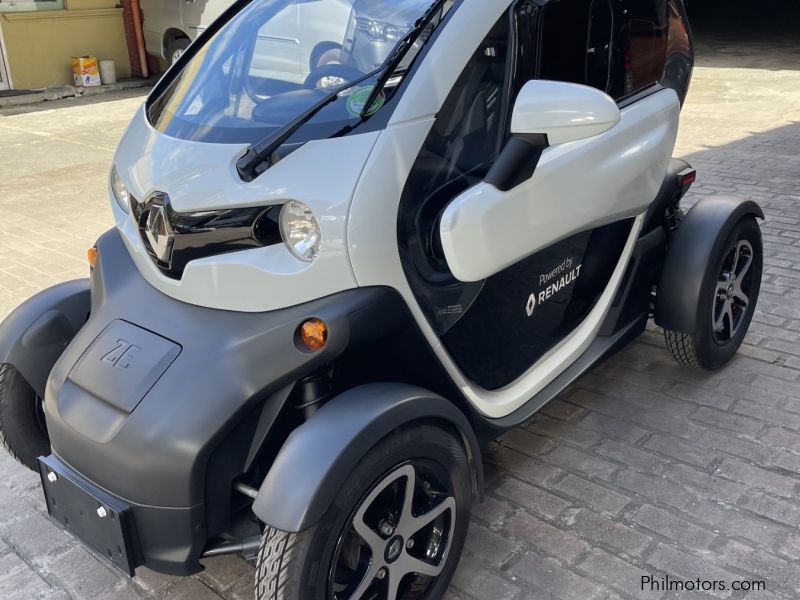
(686, 179)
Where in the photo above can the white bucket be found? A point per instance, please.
(108, 72)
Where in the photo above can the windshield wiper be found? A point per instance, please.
(399, 53)
(259, 157)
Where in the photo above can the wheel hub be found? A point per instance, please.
(732, 292)
(394, 549)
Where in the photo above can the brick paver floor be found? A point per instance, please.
(642, 468)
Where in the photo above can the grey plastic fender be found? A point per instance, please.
(35, 334)
(319, 455)
(693, 252)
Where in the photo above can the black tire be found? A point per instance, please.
(300, 566)
(326, 69)
(326, 53)
(23, 431)
(175, 49)
(709, 348)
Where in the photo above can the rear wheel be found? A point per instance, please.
(395, 530)
(23, 431)
(176, 49)
(728, 302)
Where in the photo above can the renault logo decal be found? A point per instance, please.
(158, 232)
(531, 305)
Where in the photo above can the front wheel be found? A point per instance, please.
(23, 431)
(395, 530)
(727, 302)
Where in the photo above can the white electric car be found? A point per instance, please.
(320, 301)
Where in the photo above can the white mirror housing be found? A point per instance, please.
(564, 112)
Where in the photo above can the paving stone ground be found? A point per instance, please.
(642, 468)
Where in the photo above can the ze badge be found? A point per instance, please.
(121, 357)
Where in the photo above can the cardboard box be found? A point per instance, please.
(86, 71)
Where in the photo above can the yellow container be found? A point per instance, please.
(86, 71)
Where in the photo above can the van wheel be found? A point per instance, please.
(23, 431)
(728, 302)
(395, 530)
(325, 53)
(176, 49)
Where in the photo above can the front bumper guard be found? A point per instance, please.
(157, 401)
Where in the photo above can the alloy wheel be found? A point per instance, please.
(732, 293)
(398, 539)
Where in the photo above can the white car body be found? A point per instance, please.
(356, 189)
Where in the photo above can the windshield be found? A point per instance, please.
(277, 58)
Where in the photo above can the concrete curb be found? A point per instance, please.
(71, 91)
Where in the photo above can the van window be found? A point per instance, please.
(564, 33)
(617, 46)
(640, 46)
(526, 61)
(599, 46)
(577, 42)
(680, 54)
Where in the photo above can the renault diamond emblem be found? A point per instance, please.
(394, 549)
(159, 233)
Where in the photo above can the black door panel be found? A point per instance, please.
(524, 311)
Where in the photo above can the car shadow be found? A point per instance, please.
(77, 101)
(746, 34)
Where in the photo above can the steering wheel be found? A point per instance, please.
(331, 76)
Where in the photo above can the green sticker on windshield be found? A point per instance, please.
(358, 100)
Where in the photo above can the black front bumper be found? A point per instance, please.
(104, 523)
(156, 402)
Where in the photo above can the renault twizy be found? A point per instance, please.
(322, 297)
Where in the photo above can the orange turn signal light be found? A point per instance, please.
(314, 334)
(91, 255)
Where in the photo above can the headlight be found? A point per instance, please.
(379, 31)
(300, 230)
(120, 190)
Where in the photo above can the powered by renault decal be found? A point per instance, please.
(569, 274)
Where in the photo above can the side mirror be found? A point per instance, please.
(564, 112)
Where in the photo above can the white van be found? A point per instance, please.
(171, 25)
